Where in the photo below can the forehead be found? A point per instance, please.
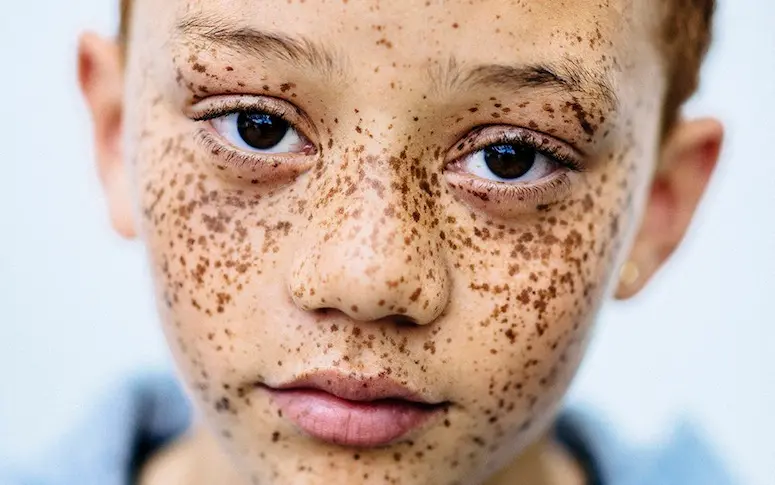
(417, 32)
(594, 50)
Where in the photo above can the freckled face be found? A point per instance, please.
(437, 192)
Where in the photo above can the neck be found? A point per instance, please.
(197, 459)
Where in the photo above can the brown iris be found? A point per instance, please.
(509, 161)
(261, 131)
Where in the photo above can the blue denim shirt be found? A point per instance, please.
(143, 415)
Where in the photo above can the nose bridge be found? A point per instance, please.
(367, 250)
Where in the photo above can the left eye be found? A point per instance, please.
(510, 163)
(258, 132)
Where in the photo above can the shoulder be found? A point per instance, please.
(685, 457)
(131, 420)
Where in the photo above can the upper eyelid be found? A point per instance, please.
(226, 107)
(229, 104)
(516, 134)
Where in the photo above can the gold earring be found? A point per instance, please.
(630, 273)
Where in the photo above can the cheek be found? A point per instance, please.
(215, 250)
(525, 297)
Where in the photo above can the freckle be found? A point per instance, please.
(229, 68)
(275, 437)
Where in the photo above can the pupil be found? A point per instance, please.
(509, 161)
(260, 130)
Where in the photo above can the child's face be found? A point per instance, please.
(445, 206)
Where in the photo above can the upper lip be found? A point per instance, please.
(354, 388)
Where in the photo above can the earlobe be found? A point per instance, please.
(100, 76)
(689, 157)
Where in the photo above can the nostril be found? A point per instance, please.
(403, 321)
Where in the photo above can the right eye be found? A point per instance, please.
(259, 132)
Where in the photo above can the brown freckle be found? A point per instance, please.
(511, 335)
(229, 68)
(587, 203)
(286, 86)
(223, 404)
(199, 67)
(275, 437)
(473, 110)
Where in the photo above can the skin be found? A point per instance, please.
(372, 251)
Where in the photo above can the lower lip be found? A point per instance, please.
(351, 423)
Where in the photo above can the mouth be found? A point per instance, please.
(359, 412)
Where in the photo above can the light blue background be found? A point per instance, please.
(76, 310)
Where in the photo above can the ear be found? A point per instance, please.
(100, 75)
(689, 157)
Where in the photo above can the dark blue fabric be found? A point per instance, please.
(141, 416)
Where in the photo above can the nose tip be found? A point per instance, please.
(371, 294)
(368, 273)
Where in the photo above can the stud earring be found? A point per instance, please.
(629, 273)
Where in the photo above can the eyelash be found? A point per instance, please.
(562, 153)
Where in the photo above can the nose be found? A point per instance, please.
(370, 249)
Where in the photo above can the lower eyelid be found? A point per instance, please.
(509, 200)
(254, 168)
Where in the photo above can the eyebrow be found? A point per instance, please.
(569, 75)
(300, 51)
